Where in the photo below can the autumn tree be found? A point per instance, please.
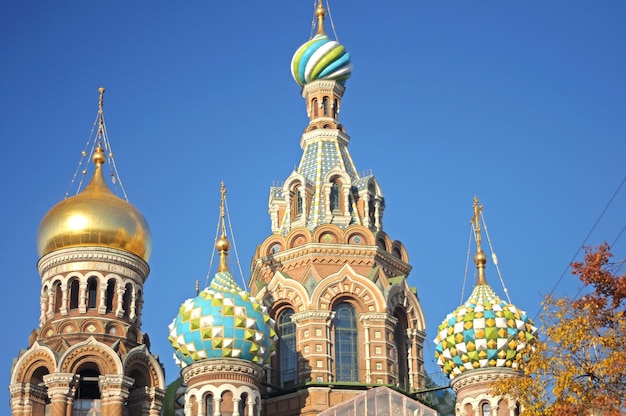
(579, 365)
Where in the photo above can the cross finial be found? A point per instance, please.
(475, 221)
(100, 111)
(223, 202)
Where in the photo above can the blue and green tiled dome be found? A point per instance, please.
(484, 332)
(321, 58)
(223, 321)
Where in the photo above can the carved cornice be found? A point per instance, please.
(378, 316)
(314, 135)
(226, 366)
(323, 85)
(107, 259)
(312, 315)
(482, 375)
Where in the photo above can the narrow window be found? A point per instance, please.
(346, 360)
(209, 405)
(242, 404)
(126, 300)
(315, 108)
(74, 288)
(334, 197)
(287, 357)
(92, 293)
(110, 294)
(485, 410)
(58, 297)
(325, 106)
(399, 335)
(296, 202)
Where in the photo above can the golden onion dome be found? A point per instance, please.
(95, 217)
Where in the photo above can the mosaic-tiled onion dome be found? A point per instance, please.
(95, 217)
(483, 332)
(321, 58)
(223, 321)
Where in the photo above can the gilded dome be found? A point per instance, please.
(223, 321)
(483, 332)
(95, 217)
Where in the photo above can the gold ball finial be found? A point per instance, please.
(98, 156)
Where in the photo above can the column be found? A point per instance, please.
(64, 299)
(114, 389)
(60, 388)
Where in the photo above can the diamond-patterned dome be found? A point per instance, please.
(483, 332)
(223, 321)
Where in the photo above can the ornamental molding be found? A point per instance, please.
(223, 365)
(378, 316)
(323, 85)
(482, 375)
(103, 259)
(60, 379)
(318, 315)
(329, 134)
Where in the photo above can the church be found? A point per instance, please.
(329, 325)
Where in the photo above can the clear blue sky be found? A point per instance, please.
(522, 103)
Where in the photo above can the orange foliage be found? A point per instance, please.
(579, 365)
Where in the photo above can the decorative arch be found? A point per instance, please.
(346, 283)
(383, 241)
(398, 251)
(400, 296)
(37, 357)
(287, 291)
(298, 236)
(328, 233)
(90, 353)
(365, 236)
(140, 359)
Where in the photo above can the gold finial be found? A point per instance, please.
(321, 14)
(222, 244)
(479, 258)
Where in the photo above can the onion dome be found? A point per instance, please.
(223, 321)
(321, 57)
(485, 331)
(95, 217)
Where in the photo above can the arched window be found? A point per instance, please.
(372, 204)
(315, 106)
(208, 401)
(110, 294)
(296, 202)
(242, 404)
(92, 293)
(58, 297)
(325, 106)
(126, 299)
(334, 197)
(287, 357)
(346, 359)
(400, 339)
(485, 409)
(74, 289)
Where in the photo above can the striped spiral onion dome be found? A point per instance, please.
(321, 58)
